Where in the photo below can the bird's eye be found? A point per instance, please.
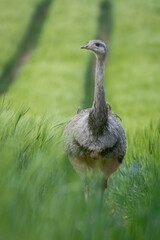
(97, 44)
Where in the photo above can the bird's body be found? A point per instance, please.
(87, 148)
(94, 138)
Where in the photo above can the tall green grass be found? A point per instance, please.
(42, 197)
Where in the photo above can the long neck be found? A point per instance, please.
(99, 93)
(99, 113)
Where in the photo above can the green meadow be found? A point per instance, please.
(44, 78)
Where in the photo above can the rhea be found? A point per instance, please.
(94, 138)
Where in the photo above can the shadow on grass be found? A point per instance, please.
(105, 23)
(27, 45)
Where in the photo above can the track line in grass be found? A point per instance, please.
(27, 45)
(52, 81)
(15, 16)
(105, 22)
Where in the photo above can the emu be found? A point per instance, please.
(94, 138)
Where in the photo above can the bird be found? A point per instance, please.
(94, 138)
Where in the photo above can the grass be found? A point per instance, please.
(46, 84)
(57, 67)
(41, 195)
(132, 80)
(13, 26)
(27, 45)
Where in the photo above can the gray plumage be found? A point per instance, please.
(94, 137)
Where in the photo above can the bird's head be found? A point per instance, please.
(97, 47)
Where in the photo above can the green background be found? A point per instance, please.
(44, 78)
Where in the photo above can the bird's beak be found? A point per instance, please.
(85, 47)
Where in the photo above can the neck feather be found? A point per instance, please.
(99, 92)
(99, 112)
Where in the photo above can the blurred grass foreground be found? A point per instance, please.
(44, 77)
